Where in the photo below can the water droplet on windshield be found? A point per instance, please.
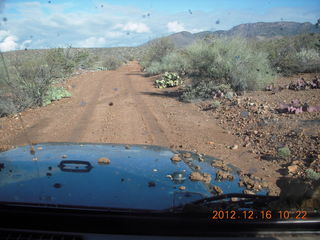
(1, 166)
(57, 185)
(151, 184)
(82, 103)
(32, 150)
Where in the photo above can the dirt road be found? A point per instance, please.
(122, 106)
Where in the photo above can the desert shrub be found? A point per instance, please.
(63, 61)
(311, 174)
(215, 105)
(31, 78)
(173, 62)
(308, 60)
(155, 68)
(168, 80)
(203, 89)
(7, 107)
(230, 61)
(156, 50)
(26, 79)
(111, 63)
(82, 59)
(55, 93)
(60, 62)
(289, 55)
(284, 152)
(308, 55)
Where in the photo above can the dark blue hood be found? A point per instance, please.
(127, 177)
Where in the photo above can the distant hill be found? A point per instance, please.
(272, 29)
(259, 30)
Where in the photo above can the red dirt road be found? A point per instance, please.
(122, 106)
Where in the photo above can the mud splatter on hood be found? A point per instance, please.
(110, 176)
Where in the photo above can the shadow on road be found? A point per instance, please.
(136, 74)
(170, 94)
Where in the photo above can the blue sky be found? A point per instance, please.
(111, 23)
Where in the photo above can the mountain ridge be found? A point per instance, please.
(258, 30)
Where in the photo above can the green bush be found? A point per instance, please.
(202, 90)
(290, 55)
(308, 55)
(168, 80)
(177, 61)
(30, 76)
(311, 174)
(173, 62)
(60, 62)
(82, 59)
(156, 50)
(7, 106)
(30, 79)
(230, 61)
(215, 104)
(111, 63)
(284, 152)
(308, 60)
(55, 93)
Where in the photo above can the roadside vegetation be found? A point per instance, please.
(290, 55)
(32, 78)
(209, 68)
(239, 64)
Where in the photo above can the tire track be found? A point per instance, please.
(155, 130)
(83, 123)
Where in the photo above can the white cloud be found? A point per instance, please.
(25, 44)
(133, 27)
(196, 30)
(8, 42)
(93, 42)
(175, 27)
(113, 34)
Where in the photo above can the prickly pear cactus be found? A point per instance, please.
(169, 80)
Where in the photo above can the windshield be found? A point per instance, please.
(235, 80)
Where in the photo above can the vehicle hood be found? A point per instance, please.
(127, 177)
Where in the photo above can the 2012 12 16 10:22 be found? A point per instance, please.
(252, 215)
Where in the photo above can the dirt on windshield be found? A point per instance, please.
(123, 106)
